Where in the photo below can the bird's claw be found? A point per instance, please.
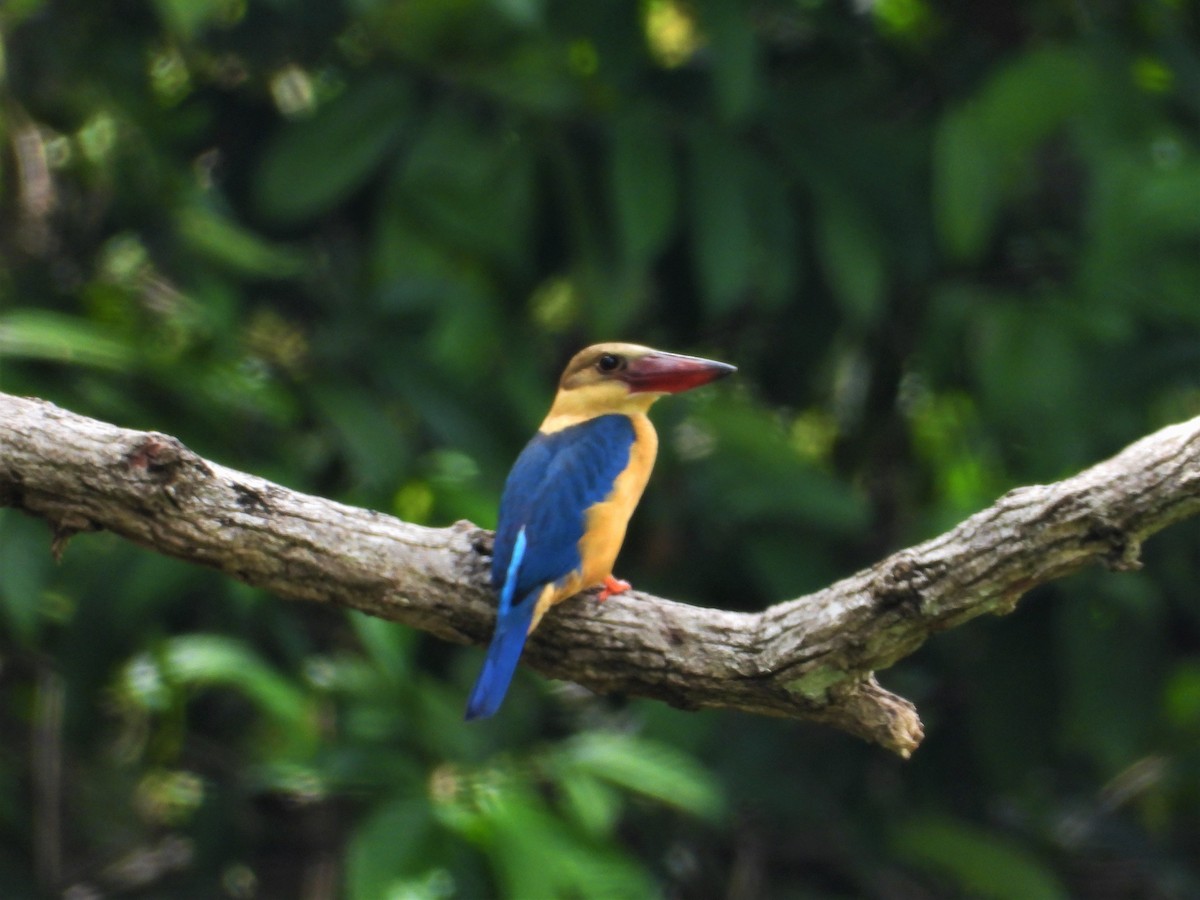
(612, 586)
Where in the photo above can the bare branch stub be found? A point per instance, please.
(811, 658)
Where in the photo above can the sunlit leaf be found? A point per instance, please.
(671, 32)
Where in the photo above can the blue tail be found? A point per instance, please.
(512, 627)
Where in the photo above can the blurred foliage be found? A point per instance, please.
(953, 248)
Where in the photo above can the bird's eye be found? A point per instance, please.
(609, 362)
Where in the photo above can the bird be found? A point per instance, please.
(569, 496)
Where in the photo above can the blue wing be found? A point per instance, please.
(553, 483)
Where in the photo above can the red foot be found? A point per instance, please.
(612, 586)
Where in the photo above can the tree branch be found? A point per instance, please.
(810, 658)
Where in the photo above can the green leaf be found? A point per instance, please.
(521, 12)
(787, 487)
(418, 271)
(25, 562)
(982, 149)
(851, 253)
(537, 857)
(388, 645)
(1110, 649)
(721, 221)
(967, 184)
(238, 249)
(592, 803)
(777, 249)
(1031, 368)
(534, 79)
(371, 441)
(471, 183)
(54, 337)
(388, 853)
(205, 660)
(1181, 696)
(646, 767)
(643, 187)
(185, 17)
(980, 863)
(310, 166)
(734, 57)
(1166, 201)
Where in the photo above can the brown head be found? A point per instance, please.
(628, 378)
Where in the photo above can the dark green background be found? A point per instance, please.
(953, 248)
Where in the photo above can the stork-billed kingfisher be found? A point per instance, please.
(570, 493)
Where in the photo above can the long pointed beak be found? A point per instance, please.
(670, 373)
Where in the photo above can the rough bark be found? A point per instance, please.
(813, 657)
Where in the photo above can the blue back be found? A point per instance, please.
(552, 484)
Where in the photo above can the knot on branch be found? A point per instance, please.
(251, 500)
(162, 466)
(476, 561)
(483, 542)
(1121, 550)
(900, 583)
